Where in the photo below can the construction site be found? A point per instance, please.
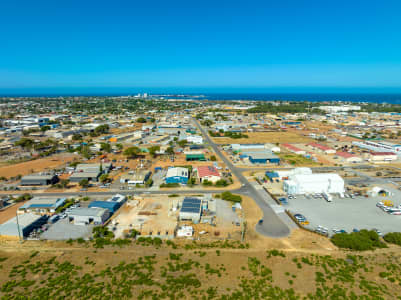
(166, 217)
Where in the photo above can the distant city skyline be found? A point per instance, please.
(199, 47)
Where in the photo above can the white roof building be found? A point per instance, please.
(314, 183)
(177, 171)
(296, 171)
(196, 139)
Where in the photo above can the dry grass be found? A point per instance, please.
(9, 212)
(266, 137)
(38, 165)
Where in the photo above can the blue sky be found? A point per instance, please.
(201, 45)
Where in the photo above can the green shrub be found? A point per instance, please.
(221, 183)
(360, 241)
(231, 197)
(169, 185)
(393, 238)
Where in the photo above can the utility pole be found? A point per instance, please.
(19, 229)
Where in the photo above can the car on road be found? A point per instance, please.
(260, 222)
(299, 216)
(283, 201)
(322, 230)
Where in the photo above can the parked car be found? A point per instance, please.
(378, 232)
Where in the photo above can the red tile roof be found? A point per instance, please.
(291, 147)
(319, 146)
(345, 154)
(382, 153)
(204, 171)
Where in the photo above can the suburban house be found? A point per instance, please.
(349, 157)
(208, 173)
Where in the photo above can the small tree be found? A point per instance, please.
(132, 151)
(103, 178)
(45, 128)
(105, 147)
(170, 151)
(64, 183)
(182, 143)
(213, 158)
(153, 150)
(84, 183)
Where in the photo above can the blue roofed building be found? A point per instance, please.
(263, 158)
(177, 175)
(112, 206)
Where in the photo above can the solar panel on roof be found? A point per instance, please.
(190, 209)
(191, 202)
(191, 205)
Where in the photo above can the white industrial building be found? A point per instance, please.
(379, 146)
(196, 139)
(245, 147)
(339, 108)
(314, 183)
(285, 174)
(382, 157)
(86, 216)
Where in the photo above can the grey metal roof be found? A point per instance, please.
(37, 177)
(84, 211)
(84, 174)
(10, 228)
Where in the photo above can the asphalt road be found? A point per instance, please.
(272, 225)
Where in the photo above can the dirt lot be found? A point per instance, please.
(9, 213)
(148, 214)
(37, 165)
(266, 137)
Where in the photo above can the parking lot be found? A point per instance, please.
(347, 213)
(64, 230)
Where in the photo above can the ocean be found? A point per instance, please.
(393, 98)
(311, 97)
